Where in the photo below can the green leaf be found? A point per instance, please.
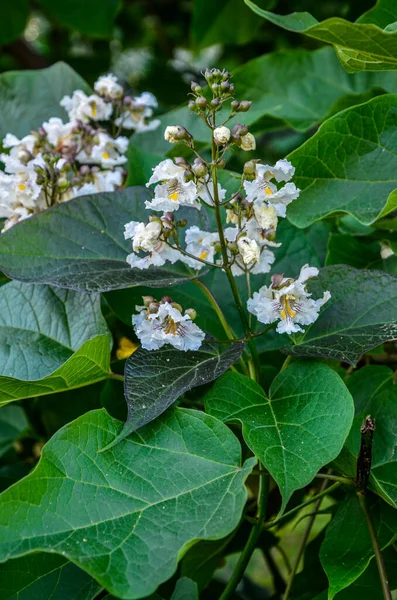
(45, 577)
(89, 364)
(155, 379)
(114, 513)
(360, 46)
(41, 327)
(298, 430)
(12, 423)
(80, 244)
(28, 98)
(361, 314)
(347, 549)
(200, 562)
(283, 86)
(347, 166)
(346, 249)
(185, 589)
(13, 17)
(91, 17)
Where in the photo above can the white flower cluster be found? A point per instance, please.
(62, 160)
(160, 323)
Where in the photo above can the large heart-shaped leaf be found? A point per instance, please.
(155, 379)
(28, 98)
(361, 314)
(41, 327)
(80, 244)
(113, 513)
(348, 165)
(88, 365)
(360, 46)
(45, 577)
(297, 430)
(347, 548)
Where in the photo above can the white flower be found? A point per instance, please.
(247, 142)
(174, 134)
(249, 250)
(258, 233)
(136, 115)
(57, 131)
(221, 135)
(107, 86)
(81, 107)
(107, 152)
(16, 145)
(146, 237)
(266, 215)
(281, 171)
(167, 326)
(287, 301)
(263, 193)
(201, 244)
(205, 190)
(174, 191)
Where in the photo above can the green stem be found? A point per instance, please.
(344, 480)
(375, 545)
(116, 376)
(302, 545)
(256, 531)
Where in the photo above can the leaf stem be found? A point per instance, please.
(256, 531)
(302, 545)
(375, 545)
(344, 480)
(116, 376)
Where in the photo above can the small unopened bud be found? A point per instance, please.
(62, 183)
(95, 170)
(180, 161)
(201, 102)
(176, 133)
(127, 100)
(235, 105)
(271, 235)
(239, 130)
(215, 87)
(24, 156)
(247, 142)
(221, 135)
(84, 170)
(277, 280)
(166, 223)
(221, 163)
(195, 87)
(188, 175)
(249, 169)
(215, 102)
(153, 307)
(148, 300)
(217, 246)
(225, 86)
(177, 306)
(231, 88)
(181, 223)
(166, 299)
(199, 168)
(190, 312)
(169, 215)
(192, 105)
(40, 179)
(233, 247)
(244, 106)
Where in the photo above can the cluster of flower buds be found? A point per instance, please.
(164, 322)
(85, 155)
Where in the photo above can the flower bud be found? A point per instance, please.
(215, 102)
(239, 130)
(277, 279)
(190, 312)
(62, 183)
(235, 105)
(95, 169)
(249, 169)
(201, 102)
(200, 168)
(176, 133)
(181, 223)
(188, 175)
(127, 100)
(217, 247)
(147, 300)
(215, 87)
(84, 170)
(166, 299)
(221, 163)
(231, 88)
(244, 106)
(169, 215)
(247, 142)
(180, 161)
(24, 156)
(195, 87)
(225, 86)
(153, 307)
(233, 247)
(167, 223)
(192, 105)
(177, 306)
(221, 135)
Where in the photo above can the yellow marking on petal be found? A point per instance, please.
(268, 191)
(287, 310)
(22, 187)
(94, 109)
(172, 327)
(203, 254)
(105, 155)
(174, 196)
(126, 348)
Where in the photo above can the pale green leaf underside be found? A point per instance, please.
(298, 430)
(127, 515)
(360, 46)
(88, 365)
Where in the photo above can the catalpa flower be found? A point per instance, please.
(137, 111)
(107, 85)
(201, 244)
(163, 323)
(173, 191)
(107, 151)
(251, 245)
(146, 237)
(287, 301)
(264, 193)
(81, 107)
